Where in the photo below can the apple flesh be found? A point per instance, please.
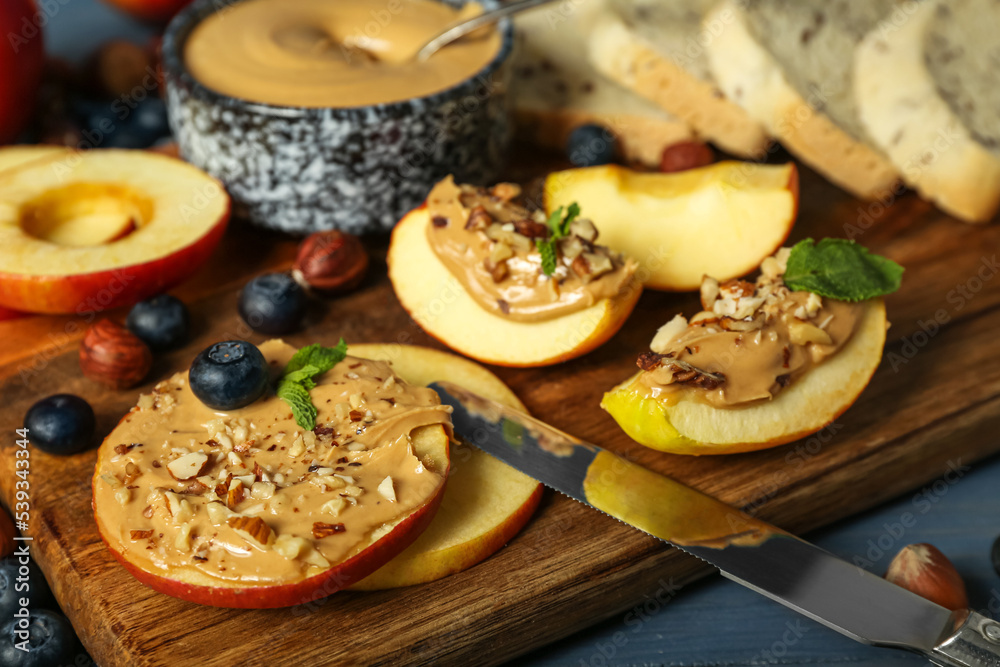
(22, 60)
(438, 302)
(17, 156)
(486, 501)
(721, 220)
(811, 402)
(95, 230)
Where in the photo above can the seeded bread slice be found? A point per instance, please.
(789, 65)
(555, 90)
(929, 94)
(654, 48)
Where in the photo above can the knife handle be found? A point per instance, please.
(975, 643)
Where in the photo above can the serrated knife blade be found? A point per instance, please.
(747, 550)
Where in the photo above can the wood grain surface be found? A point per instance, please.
(934, 403)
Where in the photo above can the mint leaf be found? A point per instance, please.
(841, 269)
(558, 224)
(547, 248)
(572, 213)
(299, 377)
(323, 358)
(298, 399)
(304, 373)
(555, 221)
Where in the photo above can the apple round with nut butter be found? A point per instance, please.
(249, 508)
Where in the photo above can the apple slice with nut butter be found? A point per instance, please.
(252, 531)
(763, 363)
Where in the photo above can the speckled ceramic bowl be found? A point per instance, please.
(357, 169)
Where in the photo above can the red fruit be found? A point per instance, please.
(22, 60)
(924, 570)
(685, 155)
(154, 11)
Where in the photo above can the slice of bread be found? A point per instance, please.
(654, 47)
(555, 90)
(789, 65)
(927, 93)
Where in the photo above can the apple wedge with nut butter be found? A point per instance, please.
(763, 363)
(501, 283)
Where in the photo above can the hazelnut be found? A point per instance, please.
(120, 67)
(113, 355)
(924, 570)
(685, 155)
(331, 262)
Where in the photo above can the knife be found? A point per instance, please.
(747, 550)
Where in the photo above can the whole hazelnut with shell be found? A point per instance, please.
(330, 262)
(113, 355)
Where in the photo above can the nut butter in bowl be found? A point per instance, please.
(316, 115)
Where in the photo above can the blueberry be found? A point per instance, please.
(161, 322)
(47, 635)
(60, 424)
(273, 303)
(229, 375)
(149, 119)
(101, 125)
(14, 574)
(591, 145)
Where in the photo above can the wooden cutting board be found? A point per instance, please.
(933, 406)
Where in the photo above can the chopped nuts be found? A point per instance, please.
(500, 252)
(804, 333)
(321, 530)
(479, 219)
(180, 509)
(583, 228)
(386, 489)
(188, 466)
(262, 490)
(253, 529)
(333, 506)
(235, 494)
(140, 534)
(668, 333)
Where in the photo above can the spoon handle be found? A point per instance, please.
(459, 30)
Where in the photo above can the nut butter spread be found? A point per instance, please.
(751, 340)
(488, 242)
(248, 497)
(332, 53)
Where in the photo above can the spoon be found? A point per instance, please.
(463, 28)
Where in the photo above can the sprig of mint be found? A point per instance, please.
(299, 377)
(558, 224)
(840, 269)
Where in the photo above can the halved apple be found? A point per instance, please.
(93, 230)
(486, 501)
(265, 586)
(439, 303)
(720, 220)
(811, 402)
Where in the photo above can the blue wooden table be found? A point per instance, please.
(717, 623)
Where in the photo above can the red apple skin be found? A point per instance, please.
(153, 11)
(307, 590)
(7, 533)
(319, 586)
(103, 290)
(10, 314)
(22, 59)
